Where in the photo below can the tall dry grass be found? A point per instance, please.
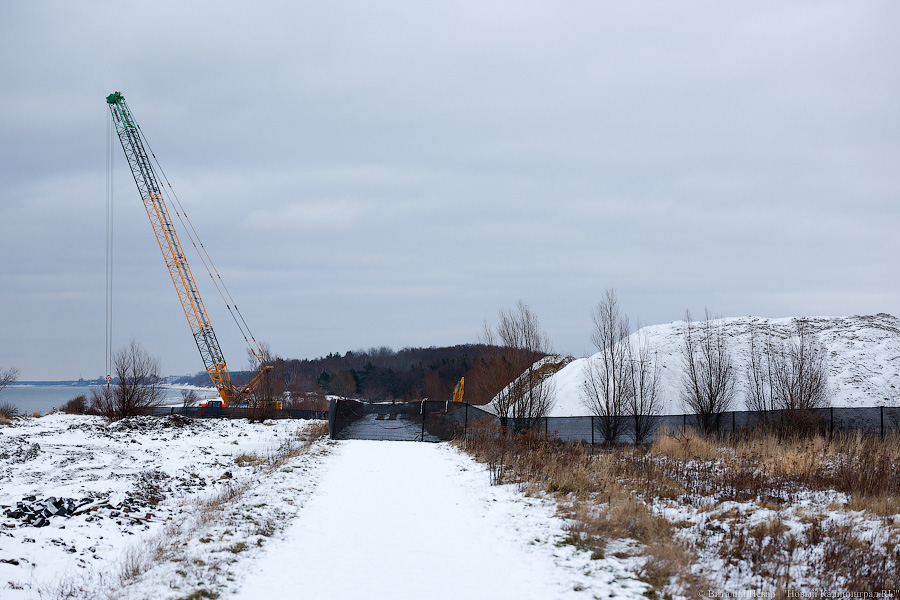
(594, 494)
(8, 412)
(608, 496)
(765, 463)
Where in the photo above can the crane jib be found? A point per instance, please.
(150, 191)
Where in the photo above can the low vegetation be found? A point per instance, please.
(762, 511)
(205, 542)
(76, 406)
(8, 412)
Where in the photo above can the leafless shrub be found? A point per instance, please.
(710, 379)
(189, 398)
(645, 404)
(523, 390)
(607, 387)
(270, 389)
(8, 410)
(137, 388)
(761, 369)
(801, 379)
(8, 376)
(789, 377)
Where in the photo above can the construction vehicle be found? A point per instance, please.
(459, 389)
(151, 190)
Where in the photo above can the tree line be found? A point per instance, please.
(379, 374)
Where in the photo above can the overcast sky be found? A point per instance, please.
(393, 173)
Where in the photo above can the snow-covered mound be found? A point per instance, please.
(864, 360)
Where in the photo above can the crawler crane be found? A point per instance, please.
(151, 191)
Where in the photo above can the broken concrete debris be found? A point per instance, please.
(32, 511)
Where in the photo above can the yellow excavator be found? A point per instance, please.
(458, 390)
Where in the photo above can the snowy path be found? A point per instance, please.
(403, 520)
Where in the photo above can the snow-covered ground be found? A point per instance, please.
(211, 513)
(864, 360)
(404, 520)
(146, 478)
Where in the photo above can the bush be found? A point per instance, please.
(76, 406)
(137, 389)
(8, 410)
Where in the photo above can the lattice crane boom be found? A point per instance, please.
(150, 189)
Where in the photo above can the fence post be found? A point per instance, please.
(466, 426)
(831, 419)
(592, 434)
(423, 422)
(546, 426)
(332, 419)
(733, 428)
(882, 421)
(683, 422)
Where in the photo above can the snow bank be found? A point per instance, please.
(864, 360)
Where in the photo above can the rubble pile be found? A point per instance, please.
(37, 512)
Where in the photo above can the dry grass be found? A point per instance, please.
(688, 446)
(608, 496)
(593, 495)
(764, 464)
(170, 543)
(8, 412)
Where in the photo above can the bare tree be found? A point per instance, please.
(607, 385)
(8, 376)
(262, 399)
(801, 378)
(523, 390)
(342, 384)
(189, 398)
(761, 369)
(137, 388)
(710, 380)
(434, 387)
(788, 376)
(7, 409)
(645, 402)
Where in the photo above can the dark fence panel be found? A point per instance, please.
(428, 421)
(204, 412)
(435, 421)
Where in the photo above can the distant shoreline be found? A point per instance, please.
(88, 383)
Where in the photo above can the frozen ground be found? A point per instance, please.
(211, 513)
(150, 478)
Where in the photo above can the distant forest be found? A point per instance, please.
(378, 374)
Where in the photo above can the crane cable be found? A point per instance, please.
(208, 264)
(110, 165)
